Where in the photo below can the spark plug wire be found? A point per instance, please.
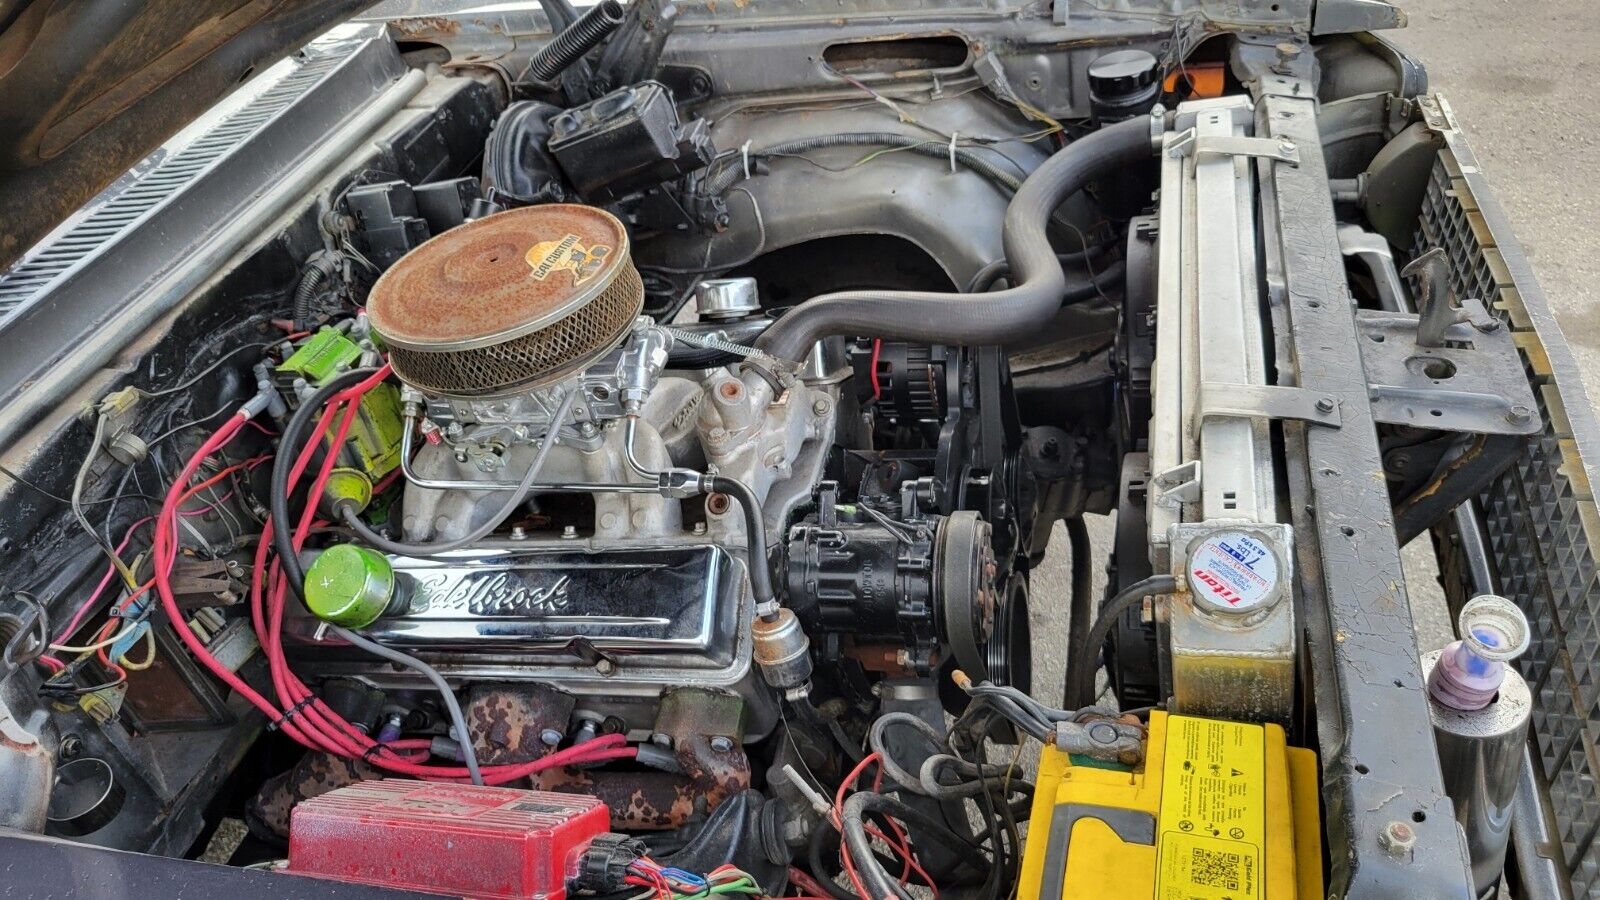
(300, 714)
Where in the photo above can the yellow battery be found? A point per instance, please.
(1218, 810)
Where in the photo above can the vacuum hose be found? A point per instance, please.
(760, 563)
(319, 270)
(976, 319)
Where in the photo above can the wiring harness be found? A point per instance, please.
(866, 818)
(288, 704)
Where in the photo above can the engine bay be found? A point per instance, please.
(625, 469)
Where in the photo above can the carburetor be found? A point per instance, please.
(492, 324)
(614, 386)
(497, 325)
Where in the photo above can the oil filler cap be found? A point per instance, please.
(1234, 572)
(349, 586)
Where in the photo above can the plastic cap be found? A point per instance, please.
(349, 586)
(1494, 628)
(1122, 72)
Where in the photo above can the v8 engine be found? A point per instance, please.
(669, 451)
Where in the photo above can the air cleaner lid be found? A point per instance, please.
(498, 278)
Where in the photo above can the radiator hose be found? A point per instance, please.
(976, 319)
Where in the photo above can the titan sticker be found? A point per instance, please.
(1233, 571)
(548, 257)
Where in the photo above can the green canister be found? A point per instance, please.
(351, 586)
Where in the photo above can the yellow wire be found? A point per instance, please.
(150, 657)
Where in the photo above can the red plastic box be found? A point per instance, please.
(446, 838)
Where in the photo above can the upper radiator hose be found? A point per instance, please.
(974, 319)
(575, 40)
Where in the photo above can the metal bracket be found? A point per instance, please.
(1435, 296)
(1266, 401)
(1374, 252)
(1473, 383)
(1178, 485)
(1186, 143)
(1352, 16)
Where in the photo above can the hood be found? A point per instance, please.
(89, 87)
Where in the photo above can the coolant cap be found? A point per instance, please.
(1234, 572)
(349, 586)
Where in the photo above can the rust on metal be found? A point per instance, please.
(887, 659)
(315, 774)
(698, 722)
(508, 722)
(425, 26)
(655, 801)
(499, 277)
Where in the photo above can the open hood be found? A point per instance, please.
(89, 87)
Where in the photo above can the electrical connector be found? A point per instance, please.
(603, 867)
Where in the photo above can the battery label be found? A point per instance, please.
(1211, 834)
(1233, 571)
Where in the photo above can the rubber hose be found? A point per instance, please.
(1106, 280)
(929, 784)
(852, 818)
(891, 766)
(1080, 667)
(815, 848)
(986, 277)
(976, 319)
(987, 779)
(288, 449)
(400, 548)
(317, 271)
(824, 841)
(760, 566)
(574, 41)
